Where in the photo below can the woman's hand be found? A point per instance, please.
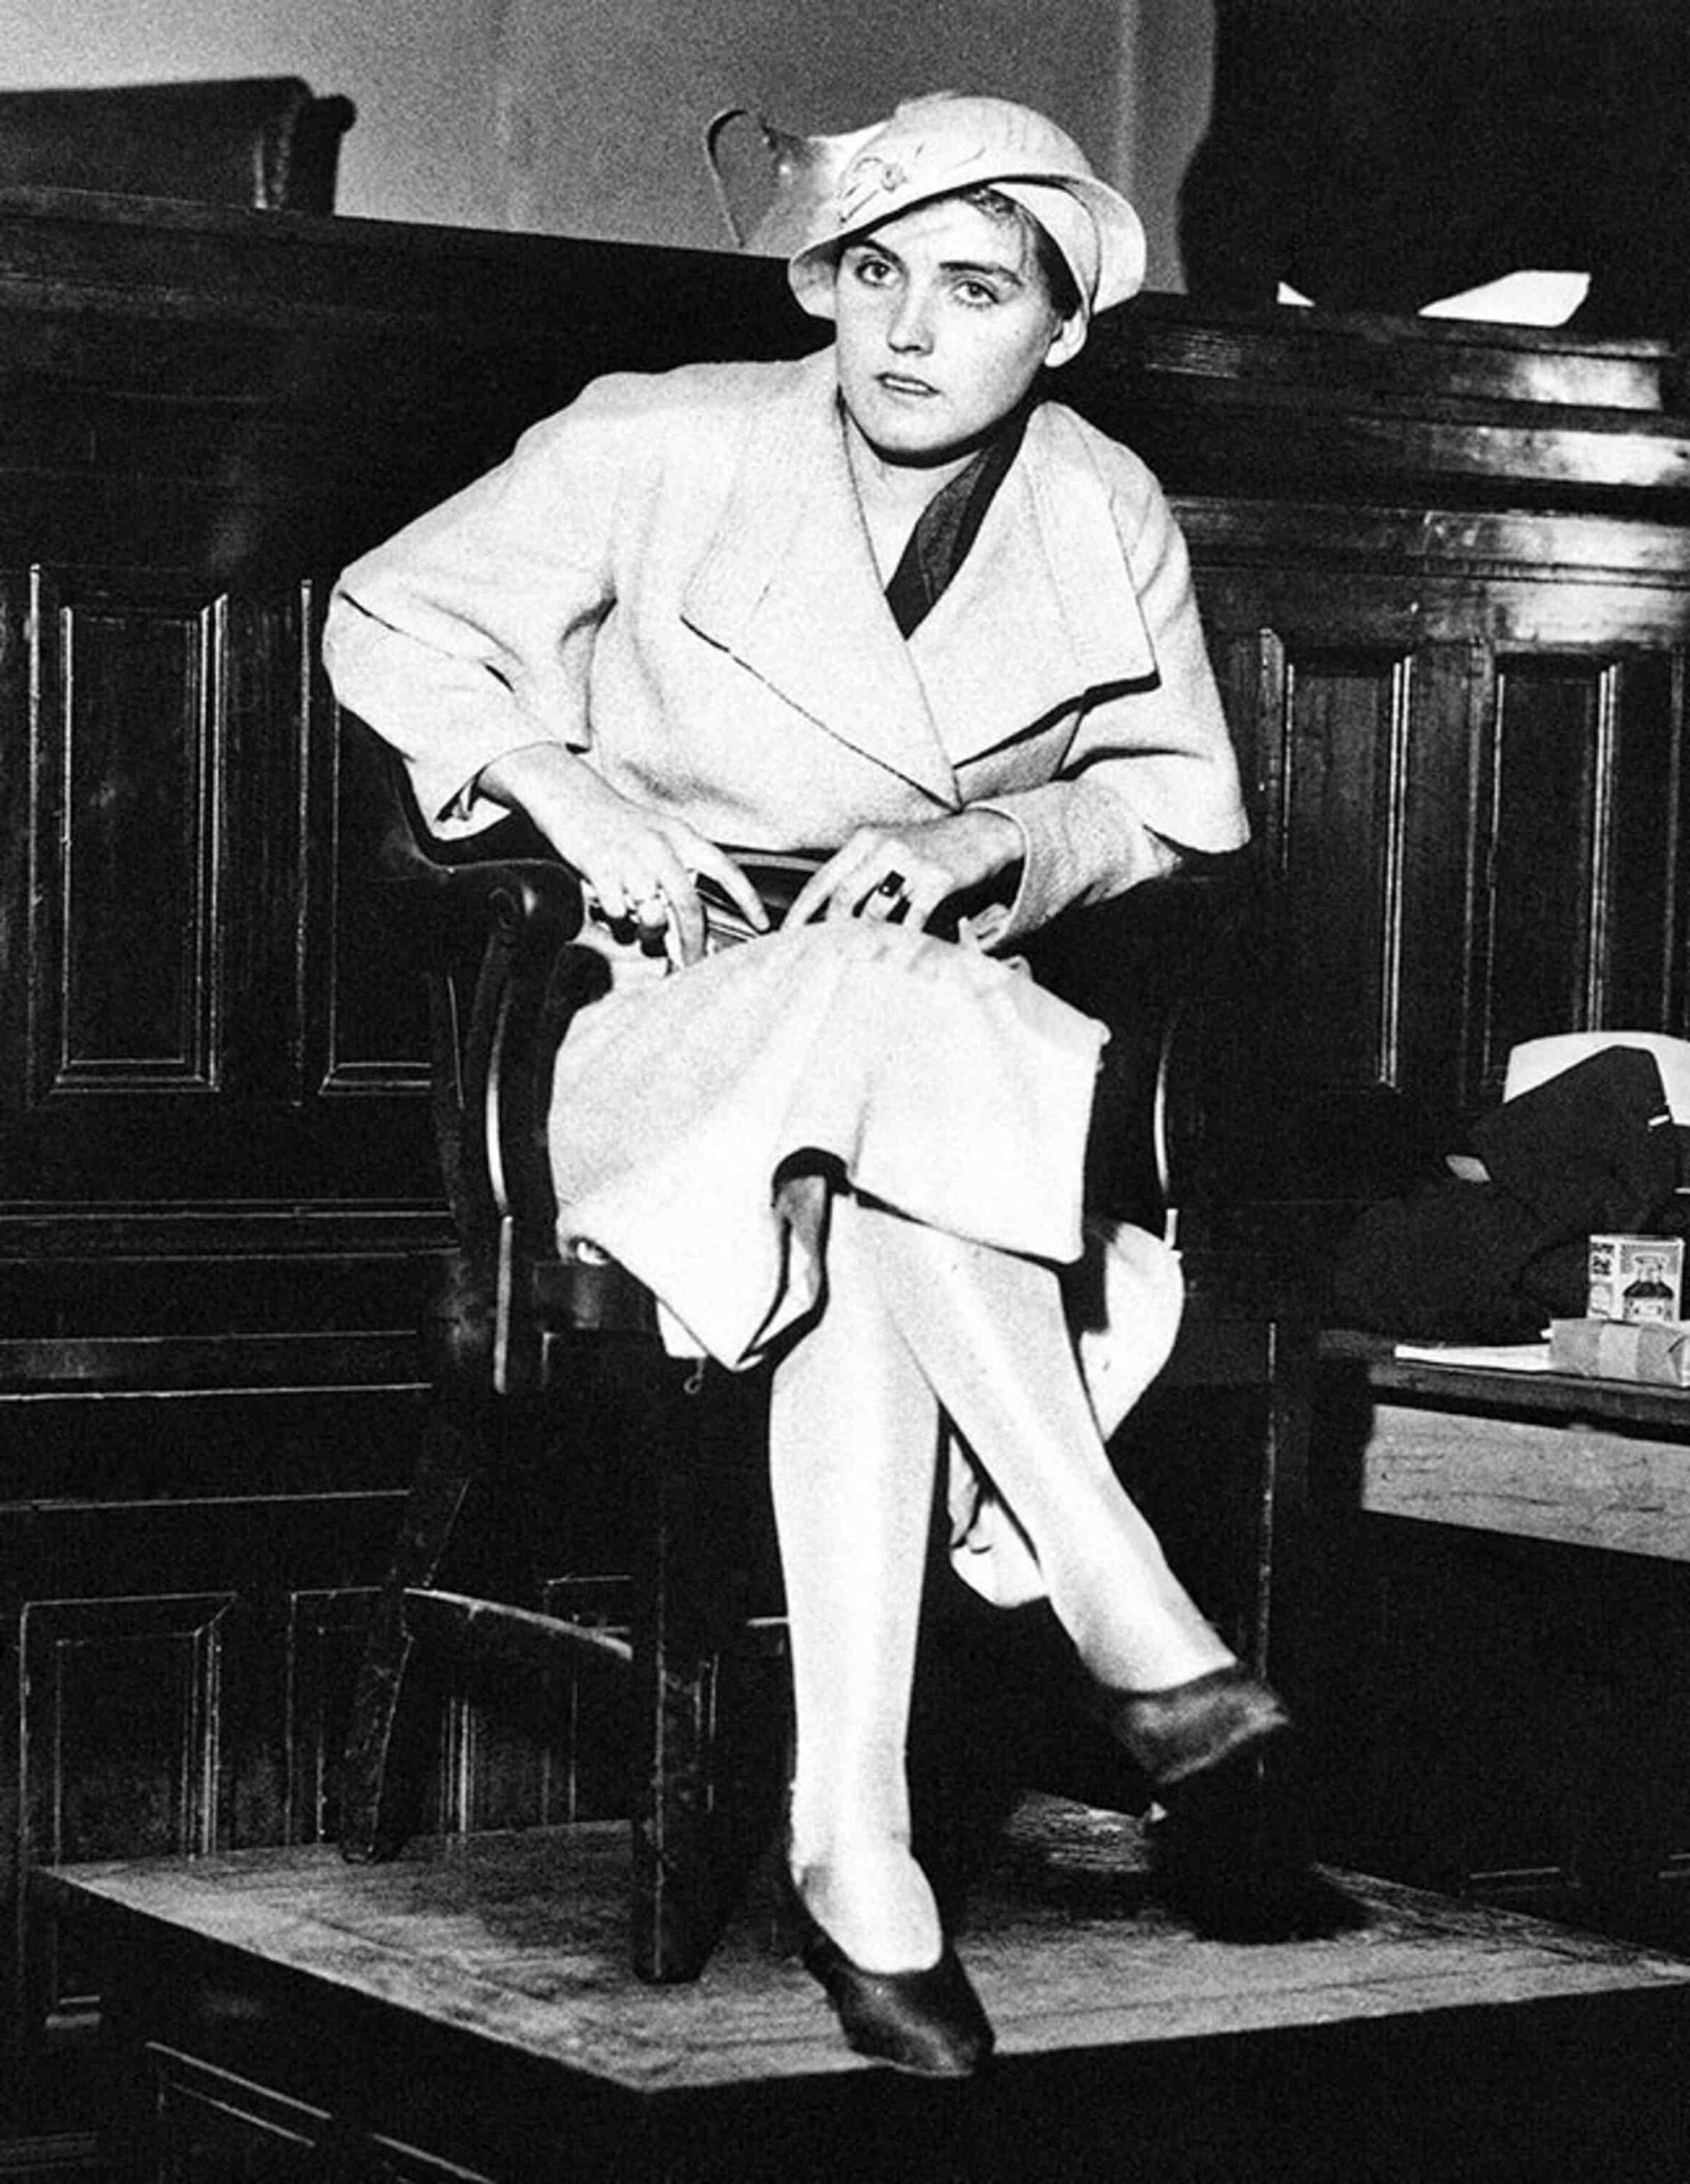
(641, 866)
(907, 872)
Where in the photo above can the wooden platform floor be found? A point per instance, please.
(1438, 2040)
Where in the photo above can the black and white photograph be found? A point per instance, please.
(845, 1091)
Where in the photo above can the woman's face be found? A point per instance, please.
(943, 323)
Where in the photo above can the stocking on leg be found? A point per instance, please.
(854, 1437)
(987, 1331)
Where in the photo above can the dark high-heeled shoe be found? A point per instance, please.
(929, 2023)
(1230, 1853)
(1191, 1728)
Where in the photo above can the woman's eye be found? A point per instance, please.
(976, 293)
(874, 272)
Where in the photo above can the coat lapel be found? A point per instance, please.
(788, 587)
(1042, 611)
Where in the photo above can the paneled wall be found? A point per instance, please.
(1472, 781)
(1444, 576)
(1448, 581)
(217, 1195)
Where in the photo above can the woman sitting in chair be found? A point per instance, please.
(888, 604)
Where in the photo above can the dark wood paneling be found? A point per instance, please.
(1546, 866)
(1644, 960)
(200, 980)
(1464, 737)
(122, 1724)
(130, 978)
(1345, 740)
(151, 1549)
(1446, 573)
(121, 1743)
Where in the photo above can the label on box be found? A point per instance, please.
(1636, 1277)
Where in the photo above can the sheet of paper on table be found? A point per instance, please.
(1491, 1356)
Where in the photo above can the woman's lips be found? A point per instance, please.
(895, 383)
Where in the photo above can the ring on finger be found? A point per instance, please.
(892, 885)
(652, 907)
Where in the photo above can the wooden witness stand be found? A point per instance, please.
(1446, 573)
(468, 2015)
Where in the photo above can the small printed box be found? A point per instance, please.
(1656, 1352)
(1636, 1277)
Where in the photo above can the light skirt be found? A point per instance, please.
(692, 1115)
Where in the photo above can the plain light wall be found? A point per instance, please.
(586, 117)
(1168, 76)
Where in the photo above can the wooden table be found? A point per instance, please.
(1502, 1640)
(1542, 1455)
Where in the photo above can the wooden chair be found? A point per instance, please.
(264, 141)
(514, 1325)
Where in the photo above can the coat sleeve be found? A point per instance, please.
(1152, 770)
(470, 634)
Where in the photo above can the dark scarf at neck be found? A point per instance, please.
(947, 526)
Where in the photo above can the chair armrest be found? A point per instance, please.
(496, 939)
(436, 902)
(490, 925)
(435, 914)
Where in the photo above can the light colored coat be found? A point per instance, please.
(673, 576)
